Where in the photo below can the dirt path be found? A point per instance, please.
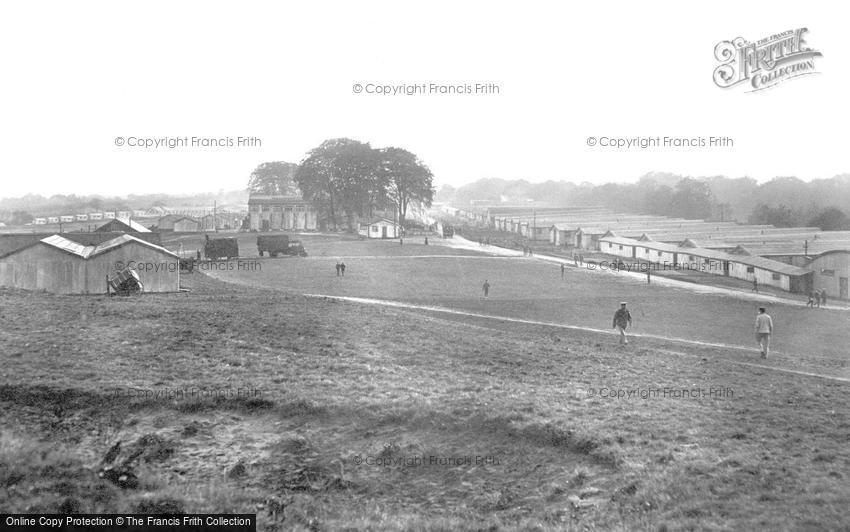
(444, 310)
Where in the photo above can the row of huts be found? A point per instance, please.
(159, 222)
(788, 269)
(796, 259)
(85, 217)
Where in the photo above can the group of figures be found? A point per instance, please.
(623, 318)
(816, 298)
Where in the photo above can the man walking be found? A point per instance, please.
(486, 288)
(622, 320)
(823, 296)
(337, 268)
(764, 328)
(563, 267)
(817, 298)
(755, 286)
(342, 268)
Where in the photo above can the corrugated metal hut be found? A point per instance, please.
(61, 266)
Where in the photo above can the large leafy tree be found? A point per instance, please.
(831, 219)
(21, 217)
(274, 178)
(691, 199)
(407, 179)
(780, 216)
(341, 175)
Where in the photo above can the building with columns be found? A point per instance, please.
(281, 213)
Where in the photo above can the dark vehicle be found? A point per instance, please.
(124, 282)
(276, 245)
(448, 231)
(297, 248)
(221, 248)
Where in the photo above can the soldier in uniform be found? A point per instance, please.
(764, 328)
(622, 320)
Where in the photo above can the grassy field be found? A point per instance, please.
(805, 339)
(326, 415)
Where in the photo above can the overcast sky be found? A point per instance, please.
(77, 75)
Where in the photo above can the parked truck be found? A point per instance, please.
(276, 245)
(221, 248)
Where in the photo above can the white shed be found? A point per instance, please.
(379, 228)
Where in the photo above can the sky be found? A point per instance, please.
(80, 78)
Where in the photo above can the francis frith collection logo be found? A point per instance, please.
(764, 63)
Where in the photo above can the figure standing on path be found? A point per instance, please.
(486, 288)
(622, 320)
(764, 328)
(563, 267)
(426, 240)
(342, 268)
(338, 268)
(755, 286)
(823, 296)
(817, 298)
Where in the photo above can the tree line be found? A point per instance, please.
(346, 179)
(782, 201)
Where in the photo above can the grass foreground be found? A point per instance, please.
(323, 415)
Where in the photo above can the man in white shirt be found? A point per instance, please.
(764, 328)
